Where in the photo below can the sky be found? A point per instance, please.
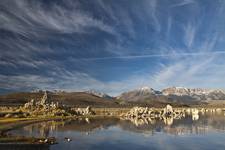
(111, 46)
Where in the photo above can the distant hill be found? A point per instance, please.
(81, 99)
(66, 98)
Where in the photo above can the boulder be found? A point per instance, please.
(8, 115)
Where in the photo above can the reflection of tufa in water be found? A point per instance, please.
(195, 114)
(168, 120)
(145, 115)
(195, 117)
(87, 120)
(143, 125)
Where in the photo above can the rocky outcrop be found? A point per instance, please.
(42, 104)
(44, 107)
(168, 110)
(32, 104)
(146, 115)
(84, 111)
(141, 112)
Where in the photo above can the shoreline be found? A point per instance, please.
(8, 124)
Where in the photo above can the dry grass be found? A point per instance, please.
(110, 111)
(11, 120)
(7, 124)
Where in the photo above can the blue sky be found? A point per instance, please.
(111, 46)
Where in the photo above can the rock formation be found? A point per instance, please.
(84, 111)
(44, 107)
(168, 110)
(41, 104)
(30, 104)
(145, 115)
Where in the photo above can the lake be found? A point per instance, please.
(203, 132)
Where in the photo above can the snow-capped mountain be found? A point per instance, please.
(146, 89)
(138, 94)
(180, 91)
(99, 94)
(196, 93)
(173, 94)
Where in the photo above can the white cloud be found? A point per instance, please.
(183, 3)
(32, 18)
(191, 72)
(171, 54)
(25, 81)
(66, 81)
(153, 9)
(189, 34)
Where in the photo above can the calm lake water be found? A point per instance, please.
(204, 132)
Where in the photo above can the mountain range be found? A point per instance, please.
(141, 96)
(173, 94)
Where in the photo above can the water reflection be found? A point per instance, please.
(195, 117)
(168, 120)
(196, 123)
(114, 133)
(43, 129)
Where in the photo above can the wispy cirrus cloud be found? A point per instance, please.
(191, 72)
(177, 55)
(33, 18)
(110, 46)
(189, 34)
(183, 3)
(74, 82)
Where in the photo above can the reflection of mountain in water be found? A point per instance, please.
(188, 125)
(89, 125)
